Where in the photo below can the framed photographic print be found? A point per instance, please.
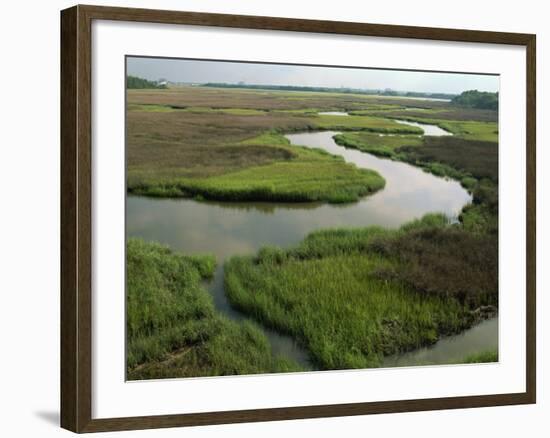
(268, 218)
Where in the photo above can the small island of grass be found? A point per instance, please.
(353, 296)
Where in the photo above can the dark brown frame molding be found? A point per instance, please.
(76, 219)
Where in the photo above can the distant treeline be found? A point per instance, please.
(330, 90)
(139, 83)
(477, 99)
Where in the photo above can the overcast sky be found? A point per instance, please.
(180, 70)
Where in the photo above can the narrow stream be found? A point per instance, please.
(228, 228)
(333, 113)
(428, 129)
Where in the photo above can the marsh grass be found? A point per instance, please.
(382, 146)
(464, 160)
(173, 329)
(363, 123)
(451, 156)
(194, 110)
(349, 296)
(248, 159)
(337, 293)
(476, 158)
(473, 163)
(468, 130)
(448, 262)
(271, 99)
(302, 175)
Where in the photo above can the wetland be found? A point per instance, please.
(281, 231)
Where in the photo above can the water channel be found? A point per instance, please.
(229, 228)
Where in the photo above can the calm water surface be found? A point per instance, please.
(428, 129)
(227, 229)
(482, 337)
(333, 113)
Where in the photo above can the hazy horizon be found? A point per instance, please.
(195, 71)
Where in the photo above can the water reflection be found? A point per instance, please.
(333, 113)
(226, 228)
(428, 129)
(265, 207)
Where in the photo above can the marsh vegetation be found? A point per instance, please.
(314, 269)
(173, 328)
(353, 296)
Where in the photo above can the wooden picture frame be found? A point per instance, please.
(76, 218)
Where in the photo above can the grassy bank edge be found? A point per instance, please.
(481, 215)
(310, 175)
(173, 328)
(466, 179)
(296, 291)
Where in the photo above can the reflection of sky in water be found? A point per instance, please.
(428, 129)
(241, 228)
(333, 113)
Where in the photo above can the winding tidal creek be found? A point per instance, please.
(227, 229)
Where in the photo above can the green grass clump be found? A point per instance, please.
(481, 131)
(382, 146)
(270, 138)
(483, 357)
(173, 329)
(468, 182)
(340, 295)
(478, 219)
(308, 175)
(482, 215)
(363, 123)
